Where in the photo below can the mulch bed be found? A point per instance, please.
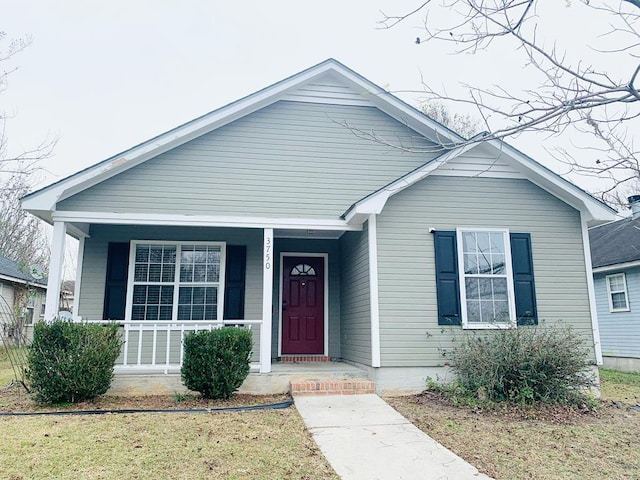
(14, 398)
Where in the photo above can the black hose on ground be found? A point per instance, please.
(267, 406)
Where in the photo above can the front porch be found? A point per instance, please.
(248, 279)
(279, 380)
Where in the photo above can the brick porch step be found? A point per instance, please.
(304, 358)
(352, 386)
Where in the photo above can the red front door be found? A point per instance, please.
(303, 306)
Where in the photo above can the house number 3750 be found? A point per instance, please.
(267, 254)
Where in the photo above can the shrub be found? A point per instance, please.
(71, 362)
(216, 362)
(524, 365)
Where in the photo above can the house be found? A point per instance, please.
(325, 214)
(21, 300)
(615, 256)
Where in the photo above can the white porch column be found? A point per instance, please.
(373, 290)
(267, 301)
(56, 264)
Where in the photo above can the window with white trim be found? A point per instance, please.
(176, 281)
(617, 292)
(486, 279)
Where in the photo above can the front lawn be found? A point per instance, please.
(264, 444)
(270, 444)
(544, 443)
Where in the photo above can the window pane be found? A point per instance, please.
(616, 283)
(152, 312)
(168, 272)
(472, 288)
(498, 265)
(137, 313)
(484, 265)
(482, 239)
(139, 294)
(485, 288)
(501, 309)
(469, 242)
(499, 288)
(213, 273)
(618, 300)
(140, 273)
(470, 263)
(142, 253)
(200, 273)
(184, 312)
(155, 254)
(497, 243)
(153, 294)
(486, 312)
(473, 311)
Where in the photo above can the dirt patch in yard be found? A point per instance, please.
(545, 442)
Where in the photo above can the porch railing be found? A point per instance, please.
(158, 345)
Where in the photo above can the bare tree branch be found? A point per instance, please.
(571, 94)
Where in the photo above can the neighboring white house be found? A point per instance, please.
(21, 299)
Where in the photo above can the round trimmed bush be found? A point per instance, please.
(216, 362)
(71, 362)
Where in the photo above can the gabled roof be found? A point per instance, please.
(595, 210)
(10, 270)
(43, 201)
(357, 91)
(616, 243)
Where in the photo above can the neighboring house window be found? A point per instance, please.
(617, 290)
(42, 308)
(486, 284)
(176, 281)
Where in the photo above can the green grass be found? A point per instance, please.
(6, 371)
(270, 444)
(620, 386)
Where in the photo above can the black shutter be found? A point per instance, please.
(115, 291)
(447, 284)
(235, 273)
(523, 282)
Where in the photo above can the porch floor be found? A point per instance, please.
(277, 381)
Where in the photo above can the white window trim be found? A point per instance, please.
(176, 282)
(509, 274)
(609, 292)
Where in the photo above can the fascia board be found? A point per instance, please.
(617, 266)
(142, 218)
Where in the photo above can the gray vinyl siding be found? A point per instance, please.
(410, 335)
(295, 245)
(289, 159)
(355, 300)
(619, 331)
(94, 264)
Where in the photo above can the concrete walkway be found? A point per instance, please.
(363, 438)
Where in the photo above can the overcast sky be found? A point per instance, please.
(104, 76)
